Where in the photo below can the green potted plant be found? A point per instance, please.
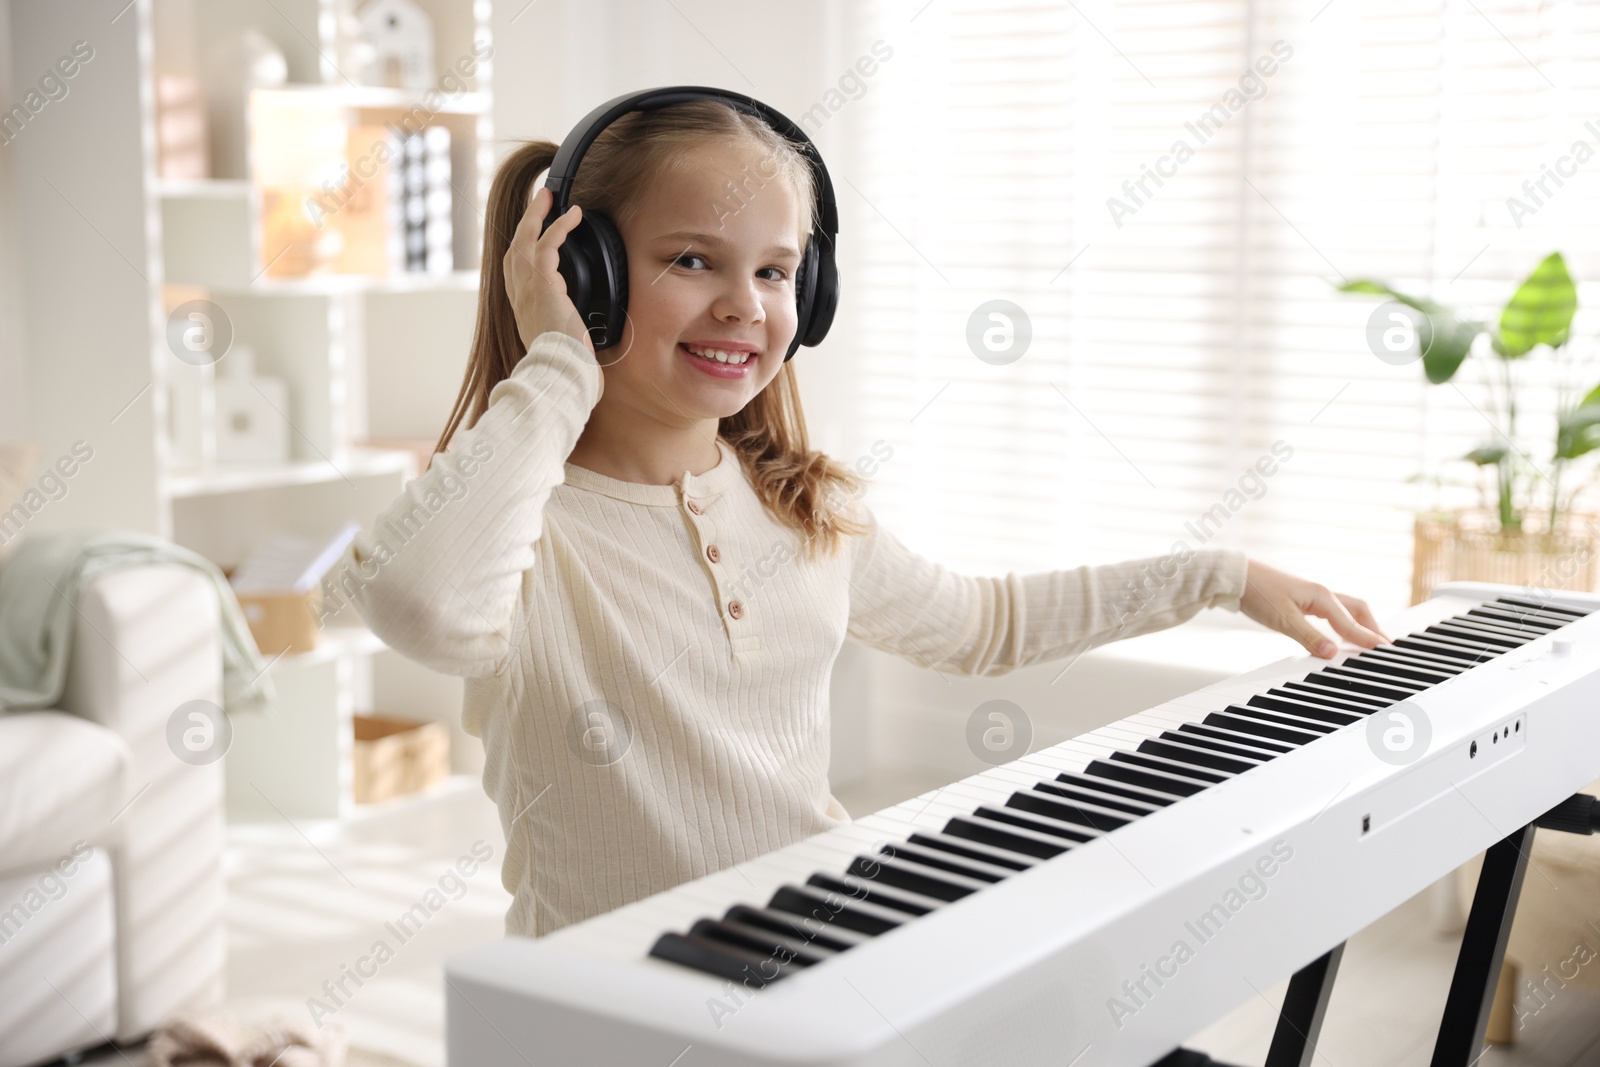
(1531, 535)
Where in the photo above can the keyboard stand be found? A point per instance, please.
(1483, 946)
(1472, 987)
(1294, 1042)
(1483, 950)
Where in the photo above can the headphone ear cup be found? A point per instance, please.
(817, 291)
(594, 264)
(824, 299)
(805, 283)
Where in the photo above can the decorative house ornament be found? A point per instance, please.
(249, 60)
(401, 34)
(251, 412)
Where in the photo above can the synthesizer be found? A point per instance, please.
(1094, 903)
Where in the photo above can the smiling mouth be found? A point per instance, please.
(720, 356)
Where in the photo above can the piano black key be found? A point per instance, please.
(1234, 737)
(1571, 614)
(1319, 688)
(1469, 656)
(1545, 622)
(873, 892)
(1263, 728)
(1098, 798)
(1281, 718)
(1397, 669)
(1429, 659)
(1075, 780)
(1473, 631)
(1168, 766)
(1067, 810)
(1456, 645)
(906, 874)
(720, 959)
(1306, 706)
(1197, 755)
(813, 931)
(1075, 834)
(983, 871)
(1014, 838)
(1514, 631)
(1157, 780)
(1512, 618)
(969, 849)
(1438, 667)
(838, 909)
(1360, 682)
(1228, 748)
(754, 938)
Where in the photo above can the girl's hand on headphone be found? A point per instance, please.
(534, 284)
(1281, 602)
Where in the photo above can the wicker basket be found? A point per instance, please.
(1468, 546)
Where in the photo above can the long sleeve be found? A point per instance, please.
(439, 575)
(903, 603)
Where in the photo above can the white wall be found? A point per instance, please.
(13, 377)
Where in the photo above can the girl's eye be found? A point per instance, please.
(679, 261)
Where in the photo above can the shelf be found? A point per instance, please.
(456, 785)
(464, 281)
(202, 189)
(332, 643)
(380, 98)
(242, 477)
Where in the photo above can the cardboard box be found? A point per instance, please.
(283, 622)
(393, 757)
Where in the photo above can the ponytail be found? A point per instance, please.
(496, 345)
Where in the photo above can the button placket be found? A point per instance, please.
(705, 533)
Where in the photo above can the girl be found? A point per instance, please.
(643, 571)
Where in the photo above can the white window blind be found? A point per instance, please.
(1178, 347)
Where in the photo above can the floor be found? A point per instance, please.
(307, 901)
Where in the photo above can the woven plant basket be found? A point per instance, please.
(1468, 546)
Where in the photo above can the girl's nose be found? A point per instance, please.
(740, 301)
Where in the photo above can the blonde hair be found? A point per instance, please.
(796, 484)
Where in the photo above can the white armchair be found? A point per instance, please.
(111, 881)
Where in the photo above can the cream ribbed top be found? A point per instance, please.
(648, 665)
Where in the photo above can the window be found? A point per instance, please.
(1184, 323)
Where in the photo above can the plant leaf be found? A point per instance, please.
(1446, 341)
(1578, 431)
(1366, 285)
(1540, 311)
(1486, 455)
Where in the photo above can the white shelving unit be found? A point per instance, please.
(113, 248)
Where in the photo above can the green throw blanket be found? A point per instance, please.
(39, 584)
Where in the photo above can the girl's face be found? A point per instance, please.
(710, 265)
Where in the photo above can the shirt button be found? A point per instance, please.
(713, 553)
(694, 507)
(735, 609)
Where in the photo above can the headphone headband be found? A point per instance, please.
(564, 168)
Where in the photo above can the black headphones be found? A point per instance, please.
(594, 261)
